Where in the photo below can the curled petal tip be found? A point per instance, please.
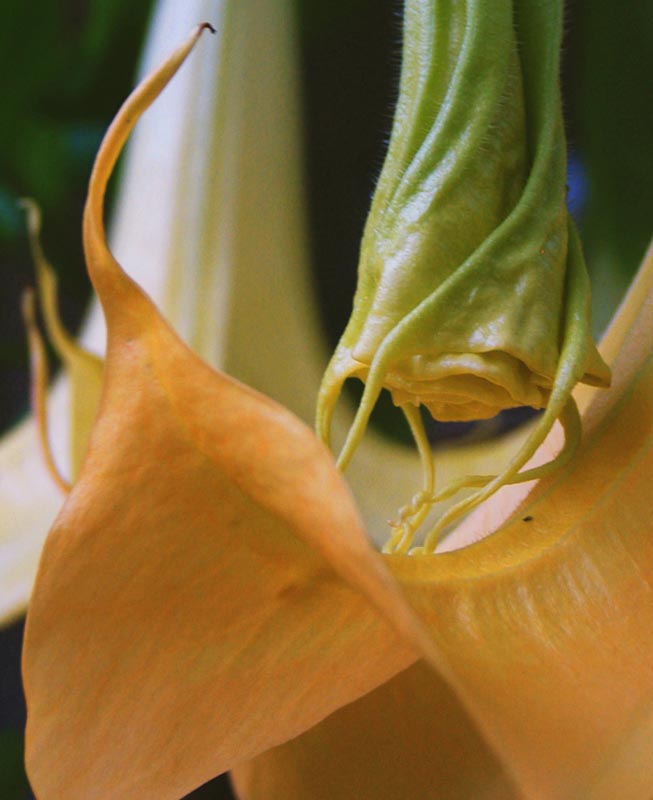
(106, 274)
(33, 212)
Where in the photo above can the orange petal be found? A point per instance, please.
(410, 738)
(180, 622)
(190, 608)
(546, 624)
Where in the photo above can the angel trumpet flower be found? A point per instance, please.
(208, 598)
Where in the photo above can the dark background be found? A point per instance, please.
(66, 67)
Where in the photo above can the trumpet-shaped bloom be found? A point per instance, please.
(208, 596)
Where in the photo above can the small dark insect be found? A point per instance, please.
(527, 519)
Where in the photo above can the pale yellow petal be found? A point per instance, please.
(29, 500)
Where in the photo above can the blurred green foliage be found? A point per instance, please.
(69, 63)
(66, 67)
(610, 110)
(13, 783)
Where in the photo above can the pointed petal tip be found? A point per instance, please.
(31, 208)
(109, 279)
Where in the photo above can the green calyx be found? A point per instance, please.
(472, 293)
